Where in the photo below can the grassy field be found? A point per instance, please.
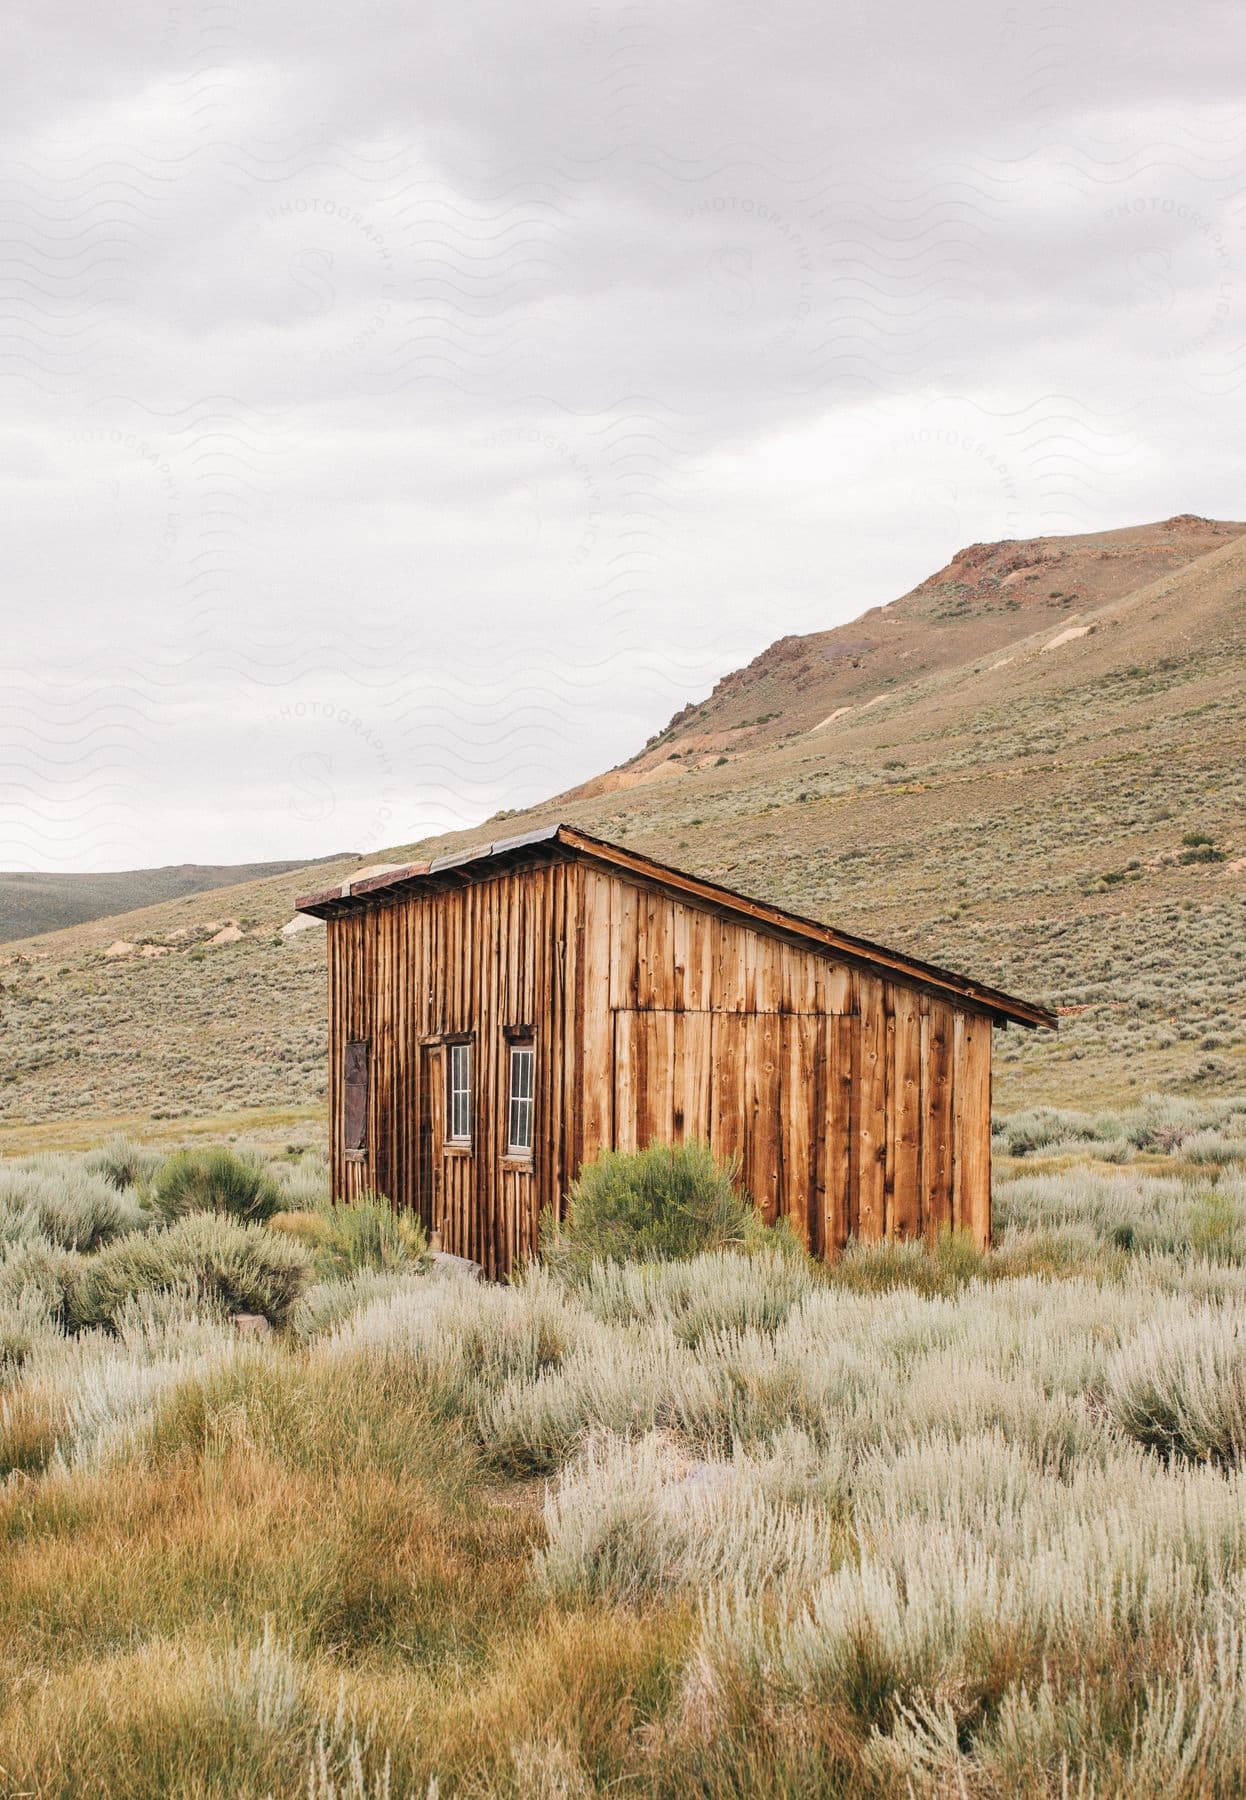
(290, 1129)
(926, 1523)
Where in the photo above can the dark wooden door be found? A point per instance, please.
(355, 1079)
(430, 1199)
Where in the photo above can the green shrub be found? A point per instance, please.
(67, 1204)
(304, 1184)
(371, 1234)
(1216, 1226)
(241, 1268)
(219, 1181)
(668, 1201)
(24, 1322)
(326, 1304)
(122, 1163)
(39, 1267)
(1179, 1388)
(1211, 1148)
(1037, 1128)
(942, 1268)
(346, 1237)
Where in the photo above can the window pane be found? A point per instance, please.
(460, 1095)
(520, 1109)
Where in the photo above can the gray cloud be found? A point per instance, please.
(406, 411)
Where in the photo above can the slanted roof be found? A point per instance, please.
(553, 842)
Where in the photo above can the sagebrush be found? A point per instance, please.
(707, 1520)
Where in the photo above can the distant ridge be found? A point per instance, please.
(34, 903)
(986, 599)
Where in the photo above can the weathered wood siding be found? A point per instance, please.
(858, 1105)
(471, 961)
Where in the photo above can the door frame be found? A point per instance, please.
(430, 1175)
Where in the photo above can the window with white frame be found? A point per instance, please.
(459, 1094)
(519, 1102)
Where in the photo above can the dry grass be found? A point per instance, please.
(943, 1524)
(302, 1554)
(270, 1127)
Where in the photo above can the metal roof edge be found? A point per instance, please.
(542, 835)
(453, 859)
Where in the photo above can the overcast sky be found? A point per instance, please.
(407, 408)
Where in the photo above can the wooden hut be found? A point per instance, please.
(499, 1016)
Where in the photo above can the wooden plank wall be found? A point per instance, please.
(477, 959)
(859, 1107)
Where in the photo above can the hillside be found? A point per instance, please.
(37, 902)
(989, 597)
(1050, 796)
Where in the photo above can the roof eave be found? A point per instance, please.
(1001, 1008)
(1004, 1009)
(454, 864)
